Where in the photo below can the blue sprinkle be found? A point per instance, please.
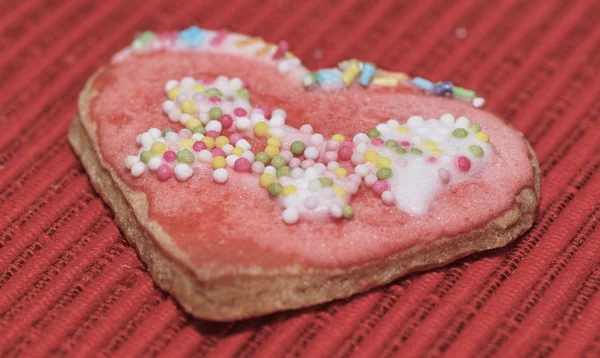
(192, 36)
(367, 73)
(443, 88)
(423, 83)
(328, 76)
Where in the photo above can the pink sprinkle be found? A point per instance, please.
(348, 143)
(330, 157)
(212, 134)
(234, 138)
(377, 142)
(219, 37)
(345, 152)
(307, 163)
(463, 164)
(245, 83)
(226, 121)
(218, 152)
(242, 165)
(379, 187)
(266, 110)
(355, 178)
(240, 112)
(184, 134)
(214, 100)
(332, 144)
(286, 154)
(170, 156)
(432, 159)
(281, 50)
(405, 144)
(444, 175)
(352, 187)
(198, 146)
(164, 172)
(295, 162)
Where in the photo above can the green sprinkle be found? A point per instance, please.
(391, 143)
(199, 129)
(474, 127)
(215, 113)
(297, 147)
(325, 182)
(373, 133)
(463, 93)
(243, 93)
(476, 151)
(278, 161)
(185, 156)
(145, 36)
(416, 151)
(275, 189)
(145, 156)
(401, 151)
(167, 130)
(348, 212)
(460, 133)
(262, 157)
(284, 171)
(384, 173)
(213, 92)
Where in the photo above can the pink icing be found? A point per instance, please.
(237, 224)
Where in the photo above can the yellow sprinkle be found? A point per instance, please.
(173, 93)
(219, 162)
(429, 144)
(403, 130)
(383, 162)
(265, 180)
(198, 88)
(437, 151)
(261, 129)
(401, 76)
(188, 107)
(289, 55)
(265, 50)
(220, 141)
(247, 42)
(186, 143)
(210, 143)
(271, 151)
(274, 141)
(340, 138)
(288, 190)
(237, 151)
(192, 123)
(482, 136)
(339, 191)
(350, 73)
(371, 156)
(385, 81)
(341, 172)
(158, 148)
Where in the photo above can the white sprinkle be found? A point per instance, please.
(172, 137)
(220, 175)
(205, 156)
(184, 118)
(183, 171)
(138, 139)
(314, 185)
(462, 122)
(242, 143)
(370, 179)
(197, 136)
(236, 83)
(214, 126)
(447, 118)
(231, 160)
(327, 193)
(297, 173)
(311, 153)
(257, 117)
(276, 132)
(227, 148)
(306, 129)
(333, 165)
(154, 163)
(138, 169)
(311, 202)
(478, 102)
(248, 155)
(360, 138)
(242, 123)
(290, 215)
(361, 170)
(444, 174)
(382, 127)
(171, 84)
(320, 167)
(277, 121)
(168, 105)
(187, 83)
(335, 211)
(415, 121)
(387, 197)
(270, 170)
(361, 147)
(317, 139)
(278, 113)
(258, 167)
(392, 123)
(174, 114)
(357, 158)
(311, 173)
(130, 161)
(146, 140)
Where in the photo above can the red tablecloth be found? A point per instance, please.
(70, 285)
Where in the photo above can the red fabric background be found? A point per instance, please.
(70, 285)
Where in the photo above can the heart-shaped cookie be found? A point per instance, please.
(249, 184)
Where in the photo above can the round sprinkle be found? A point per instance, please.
(474, 127)
(215, 113)
(185, 156)
(401, 151)
(416, 151)
(261, 129)
(345, 152)
(262, 157)
(266, 179)
(199, 129)
(188, 107)
(289, 190)
(164, 172)
(391, 143)
(275, 189)
(476, 151)
(219, 162)
(242, 165)
(284, 171)
(348, 212)
(183, 171)
(226, 121)
(198, 146)
(220, 175)
(377, 142)
(169, 156)
(240, 112)
(311, 153)
(383, 162)
(460, 133)
(297, 147)
(271, 151)
(243, 93)
(371, 156)
(220, 141)
(158, 148)
(444, 174)
(290, 215)
(213, 92)
(341, 172)
(379, 187)
(274, 141)
(326, 182)
(338, 138)
(463, 163)
(278, 161)
(373, 133)
(145, 156)
(167, 130)
(387, 197)
(311, 202)
(384, 173)
(482, 136)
